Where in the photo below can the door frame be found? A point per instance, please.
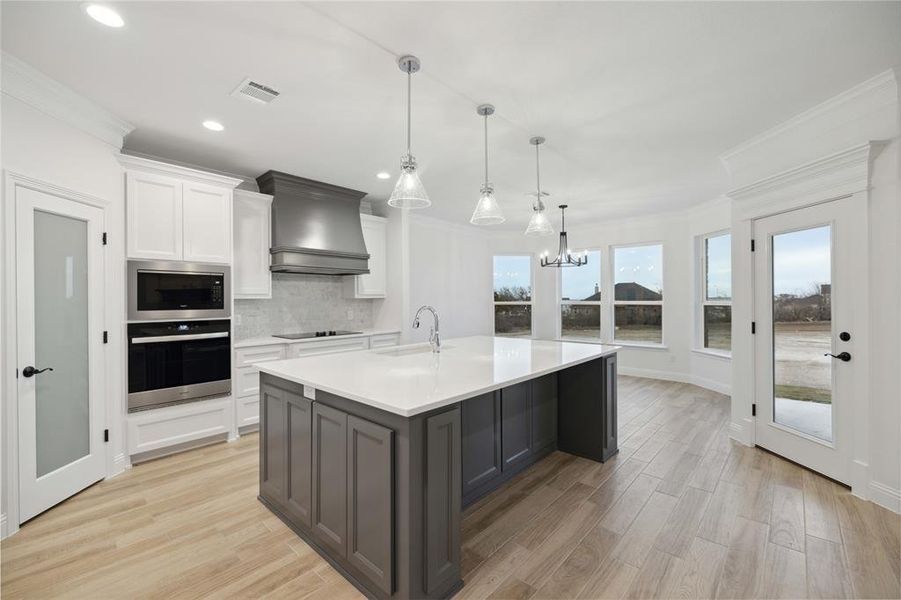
(9, 434)
(843, 316)
(844, 174)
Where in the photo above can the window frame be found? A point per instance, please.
(529, 302)
(599, 303)
(701, 300)
(614, 302)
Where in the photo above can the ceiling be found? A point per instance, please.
(636, 100)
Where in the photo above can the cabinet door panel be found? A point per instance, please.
(516, 425)
(330, 477)
(544, 411)
(481, 428)
(443, 499)
(374, 283)
(610, 420)
(207, 214)
(154, 216)
(300, 446)
(370, 487)
(252, 224)
(273, 443)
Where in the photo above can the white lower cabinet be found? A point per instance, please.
(384, 340)
(163, 428)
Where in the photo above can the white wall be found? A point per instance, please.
(450, 269)
(46, 148)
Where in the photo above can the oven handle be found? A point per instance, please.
(178, 338)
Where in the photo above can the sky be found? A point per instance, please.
(801, 260)
(640, 264)
(719, 267)
(578, 282)
(512, 271)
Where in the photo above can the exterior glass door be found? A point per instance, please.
(804, 311)
(60, 392)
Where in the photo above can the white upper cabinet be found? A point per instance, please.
(250, 276)
(375, 283)
(177, 213)
(207, 213)
(154, 216)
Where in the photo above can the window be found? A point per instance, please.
(638, 294)
(716, 292)
(513, 295)
(580, 299)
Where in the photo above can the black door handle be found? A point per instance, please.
(843, 356)
(30, 371)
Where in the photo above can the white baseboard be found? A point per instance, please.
(708, 384)
(885, 496)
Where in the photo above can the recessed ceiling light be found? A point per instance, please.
(104, 14)
(213, 125)
(383, 175)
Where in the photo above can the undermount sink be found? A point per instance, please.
(408, 350)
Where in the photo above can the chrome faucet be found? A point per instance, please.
(434, 337)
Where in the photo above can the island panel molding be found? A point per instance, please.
(388, 489)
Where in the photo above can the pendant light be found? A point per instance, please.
(408, 191)
(565, 257)
(487, 211)
(539, 225)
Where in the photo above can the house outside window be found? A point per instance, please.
(580, 299)
(638, 294)
(513, 295)
(716, 292)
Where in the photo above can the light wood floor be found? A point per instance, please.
(681, 512)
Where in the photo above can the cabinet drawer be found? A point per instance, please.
(384, 340)
(327, 347)
(244, 357)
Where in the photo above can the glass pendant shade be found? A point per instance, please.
(539, 224)
(488, 211)
(409, 191)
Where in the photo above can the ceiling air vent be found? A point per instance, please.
(251, 90)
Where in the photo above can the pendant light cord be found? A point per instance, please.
(538, 173)
(409, 103)
(486, 149)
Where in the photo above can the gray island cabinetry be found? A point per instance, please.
(371, 456)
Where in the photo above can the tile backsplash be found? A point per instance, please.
(301, 303)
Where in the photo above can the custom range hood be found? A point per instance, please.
(315, 226)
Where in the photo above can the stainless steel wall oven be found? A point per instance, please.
(159, 290)
(175, 361)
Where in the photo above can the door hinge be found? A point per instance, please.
(106, 337)
(752, 245)
(753, 327)
(753, 410)
(104, 238)
(106, 435)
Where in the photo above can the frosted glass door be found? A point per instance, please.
(60, 340)
(60, 295)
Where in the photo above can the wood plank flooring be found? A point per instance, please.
(681, 512)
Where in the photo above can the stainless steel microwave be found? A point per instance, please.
(170, 291)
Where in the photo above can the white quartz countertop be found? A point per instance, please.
(408, 380)
(269, 340)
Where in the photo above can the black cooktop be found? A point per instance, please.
(314, 334)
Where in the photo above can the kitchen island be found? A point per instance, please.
(371, 456)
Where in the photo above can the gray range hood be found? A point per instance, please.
(315, 226)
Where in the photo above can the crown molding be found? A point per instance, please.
(883, 88)
(841, 174)
(255, 195)
(146, 165)
(25, 83)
